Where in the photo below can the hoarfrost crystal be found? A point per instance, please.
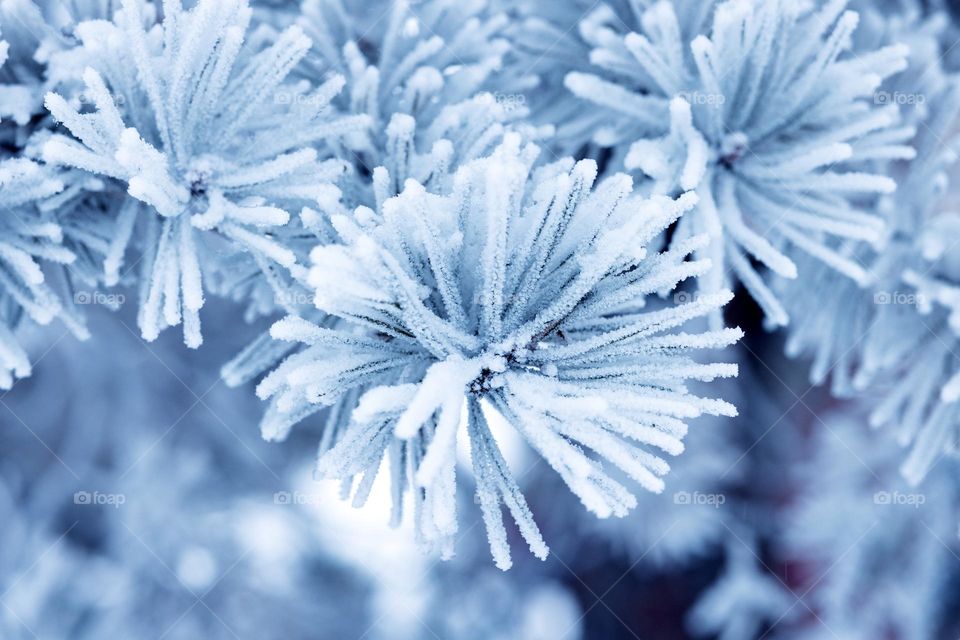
(521, 292)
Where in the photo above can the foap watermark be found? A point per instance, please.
(295, 497)
(112, 300)
(293, 298)
(699, 499)
(898, 98)
(702, 98)
(687, 297)
(898, 498)
(509, 101)
(84, 99)
(301, 99)
(97, 498)
(898, 297)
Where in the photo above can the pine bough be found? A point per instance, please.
(520, 292)
(771, 118)
(199, 144)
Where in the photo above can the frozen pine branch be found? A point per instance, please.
(433, 81)
(430, 77)
(770, 112)
(896, 337)
(501, 235)
(31, 250)
(190, 120)
(521, 292)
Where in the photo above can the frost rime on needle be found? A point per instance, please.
(188, 118)
(31, 242)
(422, 73)
(770, 117)
(520, 292)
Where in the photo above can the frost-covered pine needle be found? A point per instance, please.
(521, 292)
(772, 116)
(31, 245)
(186, 116)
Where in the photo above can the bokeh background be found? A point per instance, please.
(138, 501)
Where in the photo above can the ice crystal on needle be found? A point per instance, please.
(29, 239)
(833, 318)
(423, 73)
(768, 113)
(898, 336)
(520, 292)
(185, 118)
(17, 101)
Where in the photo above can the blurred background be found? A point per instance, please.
(138, 501)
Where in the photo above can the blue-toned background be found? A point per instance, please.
(140, 502)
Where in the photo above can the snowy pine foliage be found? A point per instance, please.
(521, 292)
(838, 348)
(672, 528)
(771, 118)
(423, 73)
(744, 600)
(186, 118)
(20, 76)
(897, 335)
(31, 251)
(38, 46)
(15, 98)
(923, 404)
(482, 251)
